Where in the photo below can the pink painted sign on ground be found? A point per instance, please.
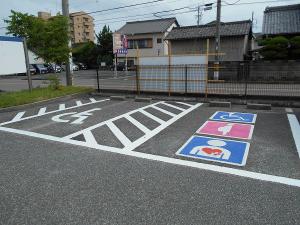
(227, 129)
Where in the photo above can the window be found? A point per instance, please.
(140, 43)
(158, 41)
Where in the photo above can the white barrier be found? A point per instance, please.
(12, 56)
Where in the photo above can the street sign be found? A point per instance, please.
(117, 42)
(122, 51)
(234, 117)
(213, 149)
(227, 129)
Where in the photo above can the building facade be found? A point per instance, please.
(81, 26)
(235, 42)
(146, 38)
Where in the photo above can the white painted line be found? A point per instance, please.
(42, 111)
(17, 117)
(93, 100)
(158, 129)
(137, 123)
(214, 168)
(164, 111)
(184, 103)
(55, 111)
(289, 110)
(62, 107)
(89, 137)
(112, 119)
(118, 133)
(173, 106)
(295, 127)
(79, 103)
(160, 121)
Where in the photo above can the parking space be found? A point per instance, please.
(241, 142)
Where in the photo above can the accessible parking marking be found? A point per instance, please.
(42, 111)
(234, 117)
(213, 149)
(225, 129)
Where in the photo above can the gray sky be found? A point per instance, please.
(112, 18)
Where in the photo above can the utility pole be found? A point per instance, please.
(217, 44)
(198, 15)
(69, 75)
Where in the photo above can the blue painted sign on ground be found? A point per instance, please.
(234, 117)
(215, 149)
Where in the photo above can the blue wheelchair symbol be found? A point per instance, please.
(234, 117)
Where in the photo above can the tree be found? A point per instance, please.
(47, 38)
(105, 43)
(281, 48)
(275, 48)
(295, 47)
(86, 53)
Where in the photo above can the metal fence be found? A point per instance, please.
(241, 79)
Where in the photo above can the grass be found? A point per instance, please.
(8, 99)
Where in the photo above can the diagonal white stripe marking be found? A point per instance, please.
(295, 127)
(208, 167)
(42, 111)
(89, 137)
(160, 121)
(62, 107)
(289, 110)
(79, 103)
(17, 117)
(164, 111)
(137, 124)
(118, 133)
(93, 100)
(184, 103)
(112, 119)
(173, 106)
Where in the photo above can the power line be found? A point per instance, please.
(120, 7)
(149, 17)
(153, 13)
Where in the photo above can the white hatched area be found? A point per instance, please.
(91, 140)
(43, 111)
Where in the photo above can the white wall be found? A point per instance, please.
(12, 57)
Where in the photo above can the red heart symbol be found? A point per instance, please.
(212, 151)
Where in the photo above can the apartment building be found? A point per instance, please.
(81, 26)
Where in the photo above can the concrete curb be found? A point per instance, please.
(259, 106)
(220, 104)
(235, 101)
(140, 99)
(118, 98)
(65, 97)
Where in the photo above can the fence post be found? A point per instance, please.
(246, 73)
(206, 68)
(98, 84)
(137, 79)
(185, 73)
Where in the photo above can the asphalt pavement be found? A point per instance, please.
(92, 160)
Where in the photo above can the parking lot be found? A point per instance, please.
(93, 160)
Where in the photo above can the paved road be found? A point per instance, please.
(127, 81)
(97, 161)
